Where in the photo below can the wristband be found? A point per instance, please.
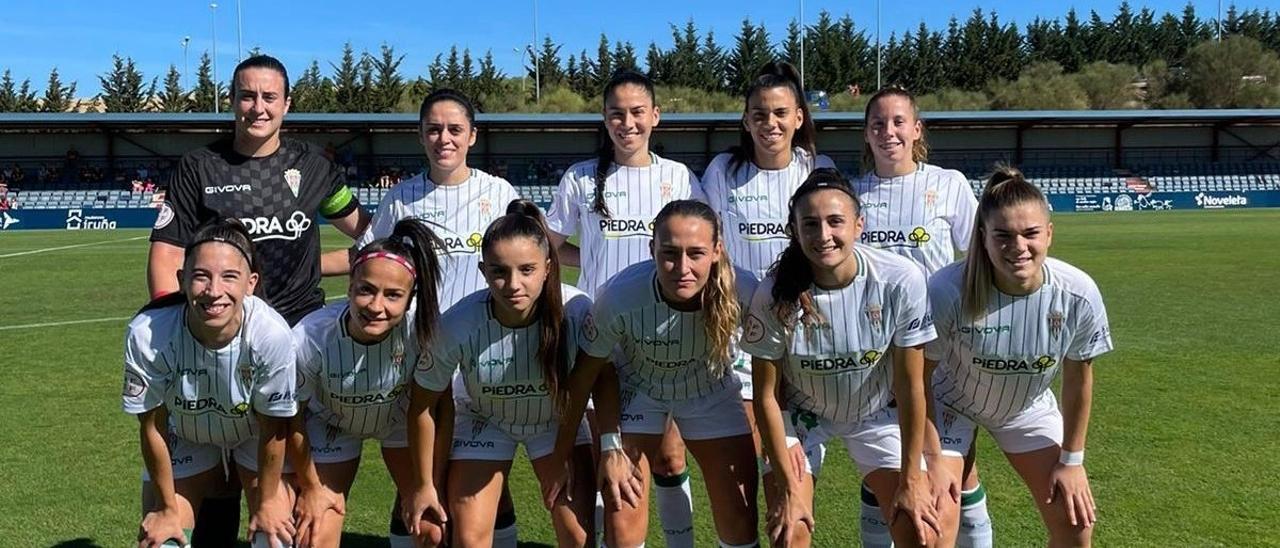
(1071, 458)
(611, 441)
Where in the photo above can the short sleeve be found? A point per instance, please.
(962, 218)
(602, 327)
(914, 325)
(576, 312)
(275, 369)
(308, 360)
(564, 213)
(763, 336)
(824, 161)
(713, 185)
(1092, 336)
(436, 366)
(942, 305)
(179, 215)
(384, 220)
(145, 381)
(339, 201)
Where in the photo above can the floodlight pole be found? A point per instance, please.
(878, 50)
(1219, 20)
(239, 24)
(186, 41)
(213, 29)
(537, 69)
(802, 88)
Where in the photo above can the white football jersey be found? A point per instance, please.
(752, 204)
(356, 388)
(662, 352)
(926, 215)
(634, 195)
(499, 365)
(842, 368)
(210, 393)
(459, 215)
(993, 366)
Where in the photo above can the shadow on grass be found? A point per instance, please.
(358, 540)
(77, 543)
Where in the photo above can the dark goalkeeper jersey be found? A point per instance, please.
(279, 198)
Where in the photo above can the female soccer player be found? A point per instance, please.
(355, 358)
(673, 321)
(459, 202)
(610, 203)
(210, 370)
(514, 344)
(925, 213)
(1009, 318)
(749, 185)
(844, 326)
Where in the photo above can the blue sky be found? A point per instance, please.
(79, 37)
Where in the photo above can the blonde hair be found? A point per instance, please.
(919, 149)
(1006, 187)
(720, 307)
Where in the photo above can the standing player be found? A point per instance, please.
(749, 185)
(671, 326)
(514, 344)
(355, 358)
(610, 203)
(842, 327)
(1009, 318)
(279, 188)
(459, 202)
(210, 370)
(924, 213)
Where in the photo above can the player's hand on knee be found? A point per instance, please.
(159, 527)
(914, 501)
(310, 510)
(560, 485)
(944, 485)
(1070, 483)
(274, 521)
(620, 479)
(422, 507)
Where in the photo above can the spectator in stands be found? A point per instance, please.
(4, 202)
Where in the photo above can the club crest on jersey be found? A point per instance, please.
(874, 315)
(1055, 323)
(755, 329)
(294, 178)
(930, 198)
(330, 434)
(246, 375)
(948, 420)
(485, 205)
(665, 190)
(477, 426)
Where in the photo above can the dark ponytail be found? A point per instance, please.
(412, 239)
(778, 74)
(604, 154)
(226, 230)
(524, 220)
(793, 273)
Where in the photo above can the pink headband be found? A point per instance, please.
(385, 255)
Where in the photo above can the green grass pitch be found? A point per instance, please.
(1182, 450)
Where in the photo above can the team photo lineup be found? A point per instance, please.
(753, 317)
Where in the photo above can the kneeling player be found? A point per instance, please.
(210, 371)
(1008, 319)
(513, 345)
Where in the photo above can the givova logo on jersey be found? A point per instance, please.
(622, 227)
(915, 237)
(840, 364)
(1014, 366)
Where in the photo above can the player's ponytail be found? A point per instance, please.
(793, 273)
(604, 154)
(1006, 187)
(413, 240)
(919, 149)
(720, 307)
(524, 220)
(777, 74)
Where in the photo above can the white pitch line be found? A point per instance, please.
(56, 324)
(60, 248)
(96, 320)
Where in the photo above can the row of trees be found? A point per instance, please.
(1133, 60)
